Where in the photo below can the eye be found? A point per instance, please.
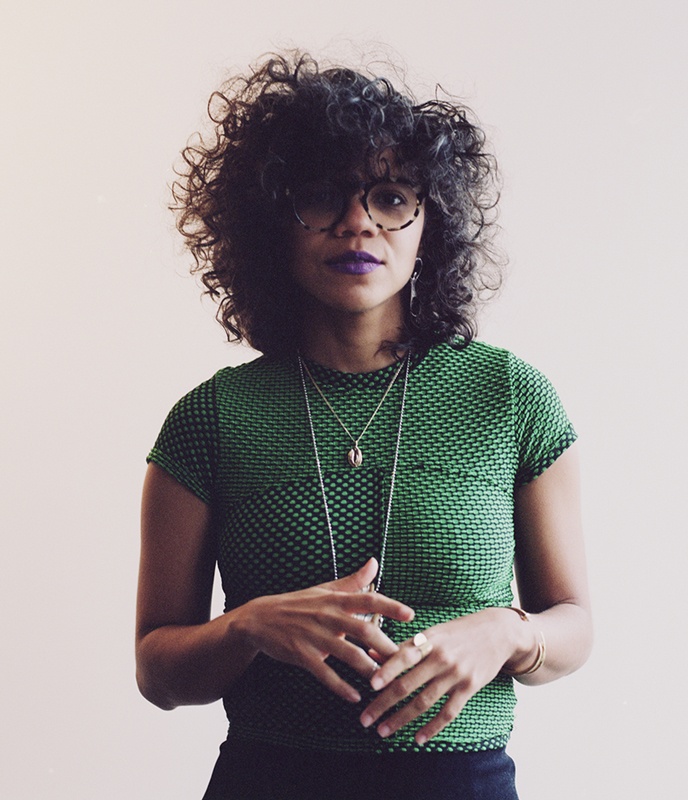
(392, 197)
(318, 195)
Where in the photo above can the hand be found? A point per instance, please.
(465, 655)
(305, 627)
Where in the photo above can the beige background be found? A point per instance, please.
(102, 332)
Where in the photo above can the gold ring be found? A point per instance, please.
(420, 640)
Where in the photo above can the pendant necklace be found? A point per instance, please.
(375, 618)
(355, 455)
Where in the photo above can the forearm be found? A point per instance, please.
(566, 629)
(192, 664)
(550, 568)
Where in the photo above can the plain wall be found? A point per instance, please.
(102, 331)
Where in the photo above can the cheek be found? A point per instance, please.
(301, 259)
(421, 232)
(300, 246)
(294, 255)
(415, 235)
(412, 245)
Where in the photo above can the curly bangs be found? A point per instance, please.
(289, 121)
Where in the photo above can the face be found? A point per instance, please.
(356, 266)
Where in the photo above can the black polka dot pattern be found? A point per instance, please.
(478, 423)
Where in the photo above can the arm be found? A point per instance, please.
(467, 653)
(550, 567)
(183, 657)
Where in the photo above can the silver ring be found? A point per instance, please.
(420, 640)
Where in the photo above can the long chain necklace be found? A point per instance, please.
(355, 455)
(376, 618)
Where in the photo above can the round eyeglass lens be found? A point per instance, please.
(391, 205)
(318, 205)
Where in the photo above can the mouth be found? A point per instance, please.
(354, 262)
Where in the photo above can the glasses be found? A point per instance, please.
(391, 205)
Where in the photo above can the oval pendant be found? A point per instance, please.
(355, 456)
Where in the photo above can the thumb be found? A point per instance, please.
(358, 580)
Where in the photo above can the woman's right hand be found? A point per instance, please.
(185, 658)
(305, 627)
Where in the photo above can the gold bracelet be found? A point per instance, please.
(541, 649)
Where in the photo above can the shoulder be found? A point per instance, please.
(227, 379)
(477, 361)
(487, 374)
(472, 354)
(259, 372)
(487, 360)
(197, 410)
(261, 383)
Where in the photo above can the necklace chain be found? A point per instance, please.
(355, 456)
(383, 548)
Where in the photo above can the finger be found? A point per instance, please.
(377, 657)
(329, 678)
(371, 640)
(357, 581)
(352, 647)
(375, 603)
(397, 691)
(370, 637)
(418, 705)
(407, 656)
(451, 709)
(355, 657)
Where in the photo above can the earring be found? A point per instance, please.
(414, 302)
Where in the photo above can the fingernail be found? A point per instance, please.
(353, 696)
(376, 682)
(421, 739)
(384, 731)
(366, 720)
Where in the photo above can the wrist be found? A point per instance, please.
(241, 630)
(528, 645)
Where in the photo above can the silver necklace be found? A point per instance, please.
(355, 455)
(376, 618)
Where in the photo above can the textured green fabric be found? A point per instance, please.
(478, 423)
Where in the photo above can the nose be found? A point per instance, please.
(355, 220)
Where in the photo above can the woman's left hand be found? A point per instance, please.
(465, 654)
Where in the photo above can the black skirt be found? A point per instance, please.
(248, 771)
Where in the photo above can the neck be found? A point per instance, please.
(349, 342)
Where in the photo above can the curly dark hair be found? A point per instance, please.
(289, 120)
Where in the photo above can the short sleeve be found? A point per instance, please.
(186, 446)
(541, 427)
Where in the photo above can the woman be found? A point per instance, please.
(368, 483)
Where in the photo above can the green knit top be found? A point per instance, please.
(478, 422)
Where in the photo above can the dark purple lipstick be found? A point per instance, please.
(354, 262)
